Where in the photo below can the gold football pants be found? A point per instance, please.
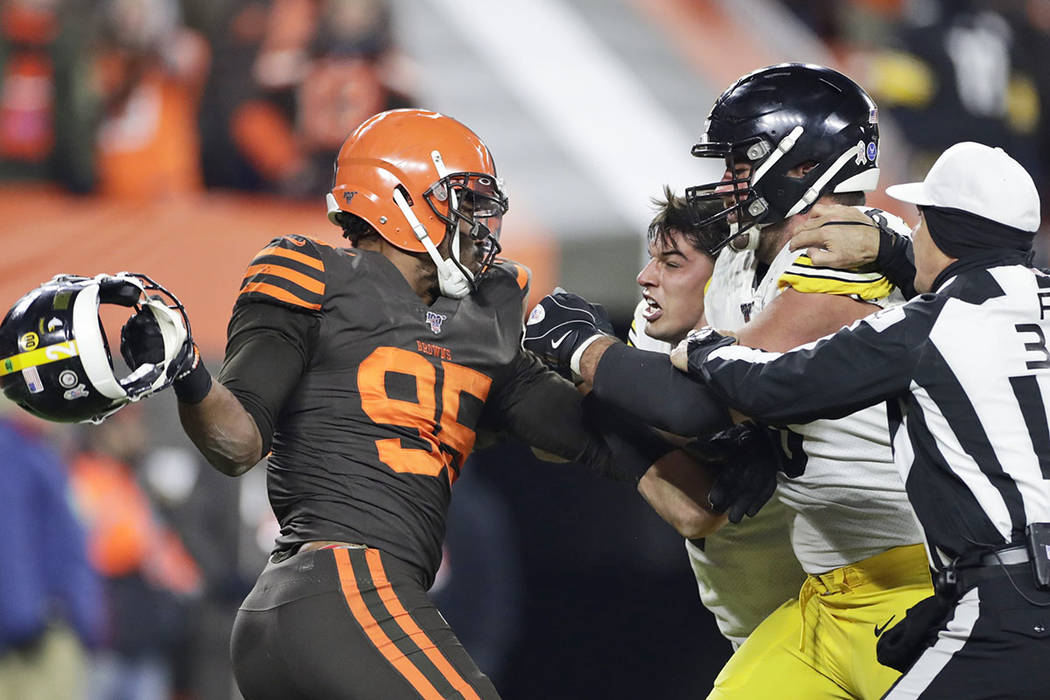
(822, 645)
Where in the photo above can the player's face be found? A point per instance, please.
(471, 252)
(673, 284)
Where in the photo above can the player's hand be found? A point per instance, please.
(560, 324)
(691, 352)
(749, 459)
(838, 236)
(141, 341)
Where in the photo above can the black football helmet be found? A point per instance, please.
(54, 355)
(777, 119)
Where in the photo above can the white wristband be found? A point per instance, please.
(577, 355)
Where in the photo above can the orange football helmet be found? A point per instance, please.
(416, 176)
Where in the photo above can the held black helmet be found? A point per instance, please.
(54, 355)
(775, 120)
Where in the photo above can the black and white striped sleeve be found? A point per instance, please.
(859, 366)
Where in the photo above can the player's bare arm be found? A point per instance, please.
(795, 318)
(223, 431)
(677, 488)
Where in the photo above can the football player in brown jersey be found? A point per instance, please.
(365, 373)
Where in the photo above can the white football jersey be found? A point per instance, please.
(849, 504)
(744, 571)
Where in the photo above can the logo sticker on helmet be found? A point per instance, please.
(68, 378)
(61, 301)
(873, 151)
(77, 392)
(28, 341)
(434, 321)
(873, 115)
(32, 379)
(349, 196)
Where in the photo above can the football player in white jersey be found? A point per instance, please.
(791, 136)
(746, 570)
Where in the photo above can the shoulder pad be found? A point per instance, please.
(522, 275)
(290, 271)
(803, 276)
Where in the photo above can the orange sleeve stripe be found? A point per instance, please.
(375, 633)
(405, 621)
(279, 294)
(305, 281)
(305, 259)
(523, 277)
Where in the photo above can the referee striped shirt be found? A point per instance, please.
(966, 372)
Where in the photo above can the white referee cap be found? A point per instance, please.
(978, 179)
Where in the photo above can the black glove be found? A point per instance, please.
(560, 323)
(748, 459)
(141, 341)
(699, 344)
(901, 645)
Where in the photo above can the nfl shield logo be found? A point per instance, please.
(434, 321)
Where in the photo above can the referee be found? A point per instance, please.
(965, 367)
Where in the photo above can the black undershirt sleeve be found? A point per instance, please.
(267, 349)
(646, 385)
(896, 260)
(545, 411)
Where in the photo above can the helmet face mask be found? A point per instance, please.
(397, 160)
(803, 130)
(55, 360)
(471, 203)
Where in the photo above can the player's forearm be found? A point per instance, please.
(676, 487)
(647, 386)
(223, 431)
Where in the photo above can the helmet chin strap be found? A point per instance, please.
(453, 280)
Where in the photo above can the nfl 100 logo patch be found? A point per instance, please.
(435, 320)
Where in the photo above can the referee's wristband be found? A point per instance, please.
(192, 386)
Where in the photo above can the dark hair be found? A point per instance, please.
(674, 214)
(354, 227)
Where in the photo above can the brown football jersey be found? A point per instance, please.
(370, 439)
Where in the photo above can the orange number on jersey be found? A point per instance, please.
(421, 414)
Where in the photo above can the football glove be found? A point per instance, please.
(747, 458)
(141, 342)
(689, 355)
(562, 324)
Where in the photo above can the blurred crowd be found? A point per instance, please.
(135, 98)
(147, 98)
(948, 71)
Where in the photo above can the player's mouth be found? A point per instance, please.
(652, 310)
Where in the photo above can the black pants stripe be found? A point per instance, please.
(995, 644)
(348, 623)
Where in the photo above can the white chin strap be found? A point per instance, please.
(454, 281)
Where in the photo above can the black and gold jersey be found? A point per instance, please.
(385, 395)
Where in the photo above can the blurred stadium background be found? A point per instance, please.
(175, 138)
